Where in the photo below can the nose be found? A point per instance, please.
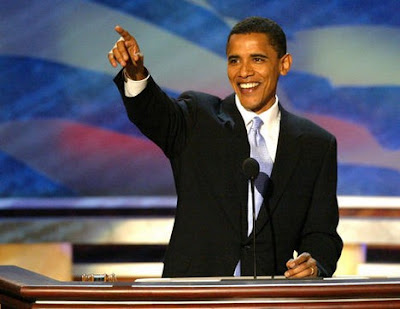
(246, 69)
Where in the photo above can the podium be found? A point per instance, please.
(20, 288)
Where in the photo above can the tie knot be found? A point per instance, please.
(257, 123)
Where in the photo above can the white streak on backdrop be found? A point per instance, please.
(85, 39)
(349, 55)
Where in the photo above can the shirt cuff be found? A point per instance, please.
(134, 87)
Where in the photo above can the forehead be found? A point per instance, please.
(249, 42)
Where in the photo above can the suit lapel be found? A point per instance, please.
(287, 156)
(240, 150)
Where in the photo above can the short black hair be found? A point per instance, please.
(257, 24)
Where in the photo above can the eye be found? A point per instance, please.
(258, 59)
(233, 60)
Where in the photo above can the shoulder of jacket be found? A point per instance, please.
(307, 126)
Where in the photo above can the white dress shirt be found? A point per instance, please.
(270, 129)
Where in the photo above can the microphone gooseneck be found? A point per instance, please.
(251, 169)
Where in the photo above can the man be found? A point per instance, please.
(207, 139)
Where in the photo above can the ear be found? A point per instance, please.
(285, 64)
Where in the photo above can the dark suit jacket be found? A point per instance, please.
(206, 142)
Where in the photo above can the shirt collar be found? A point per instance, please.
(268, 117)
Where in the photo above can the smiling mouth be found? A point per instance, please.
(248, 86)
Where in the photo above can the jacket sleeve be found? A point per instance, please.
(162, 119)
(319, 236)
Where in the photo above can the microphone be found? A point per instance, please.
(251, 169)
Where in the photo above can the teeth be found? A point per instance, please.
(248, 85)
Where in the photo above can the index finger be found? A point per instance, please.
(123, 33)
(305, 256)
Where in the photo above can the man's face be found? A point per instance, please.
(254, 69)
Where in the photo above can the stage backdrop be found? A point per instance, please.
(63, 129)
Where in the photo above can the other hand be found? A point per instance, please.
(301, 267)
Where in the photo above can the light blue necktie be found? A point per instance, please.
(258, 151)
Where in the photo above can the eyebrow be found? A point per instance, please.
(258, 56)
(233, 57)
(252, 56)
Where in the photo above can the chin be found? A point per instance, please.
(251, 106)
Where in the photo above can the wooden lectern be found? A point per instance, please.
(20, 288)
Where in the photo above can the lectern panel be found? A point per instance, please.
(25, 289)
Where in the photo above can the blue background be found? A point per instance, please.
(63, 129)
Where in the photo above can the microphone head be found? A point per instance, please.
(251, 168)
